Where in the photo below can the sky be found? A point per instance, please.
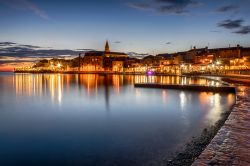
(141, 26)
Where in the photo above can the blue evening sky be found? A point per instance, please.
(143, 26)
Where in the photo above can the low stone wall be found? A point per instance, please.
(245, 81)
(231, 145)
(187, 87)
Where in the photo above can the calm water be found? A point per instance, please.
(53, 119)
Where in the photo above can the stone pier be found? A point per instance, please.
(231, 145)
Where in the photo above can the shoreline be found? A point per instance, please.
(197, 145)
(232, 76)
(96, 72)
(210, 148)
(230, 146)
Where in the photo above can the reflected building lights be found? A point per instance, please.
(164, 96)
(215, 112)
(137, 93)
(183, 100)
(53, 85)
(204, 96)
(116, 83)
(59, 89)
(231, 98)
(38, 85)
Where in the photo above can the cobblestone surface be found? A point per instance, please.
(231, 145)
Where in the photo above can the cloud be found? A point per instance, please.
(84, 49)
(175, 6)
(14, 52)
(168, 43)
(227, 8)
(235, 24)
(117, 42)
(3, 44)
(165, 6)
(16, 49)
(30, 46)
(230, 24)
(25, 5)
(172, 9)
(140, 6)
(215, 31)
(137, 55)
(243, 30)
(17, 59)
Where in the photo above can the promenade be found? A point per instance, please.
(231, 145)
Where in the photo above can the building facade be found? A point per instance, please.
(103, 60)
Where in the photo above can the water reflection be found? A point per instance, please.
(215, 100)
(164, 96)
(173, 80)
(55, 85)
(89, 118)
(183, 100)
(30, 84)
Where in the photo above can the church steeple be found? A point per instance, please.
(107, 46)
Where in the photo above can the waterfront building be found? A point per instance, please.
(93, 61)
(151, 62)
(133, 65)
(189, 56)
(117, 66)
(245, 53)
(102, 60)
(171, 63)
(167, 63)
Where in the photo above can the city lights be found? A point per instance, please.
(217, 61)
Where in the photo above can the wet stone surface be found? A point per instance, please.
(231, 145)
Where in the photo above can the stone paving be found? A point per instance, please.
(231, 145)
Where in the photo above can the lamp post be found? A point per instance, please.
(181, 68)
(95, 63)
(79, 61)
(59, 66)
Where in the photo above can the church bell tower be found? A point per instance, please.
(107, 46)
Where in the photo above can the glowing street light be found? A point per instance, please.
(59, 65)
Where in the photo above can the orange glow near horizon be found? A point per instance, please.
(9, 67)
(6, 68)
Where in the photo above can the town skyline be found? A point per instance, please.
(14, 55)
(195, 60)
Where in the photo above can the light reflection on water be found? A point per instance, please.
(100, 120)
(41, 84)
